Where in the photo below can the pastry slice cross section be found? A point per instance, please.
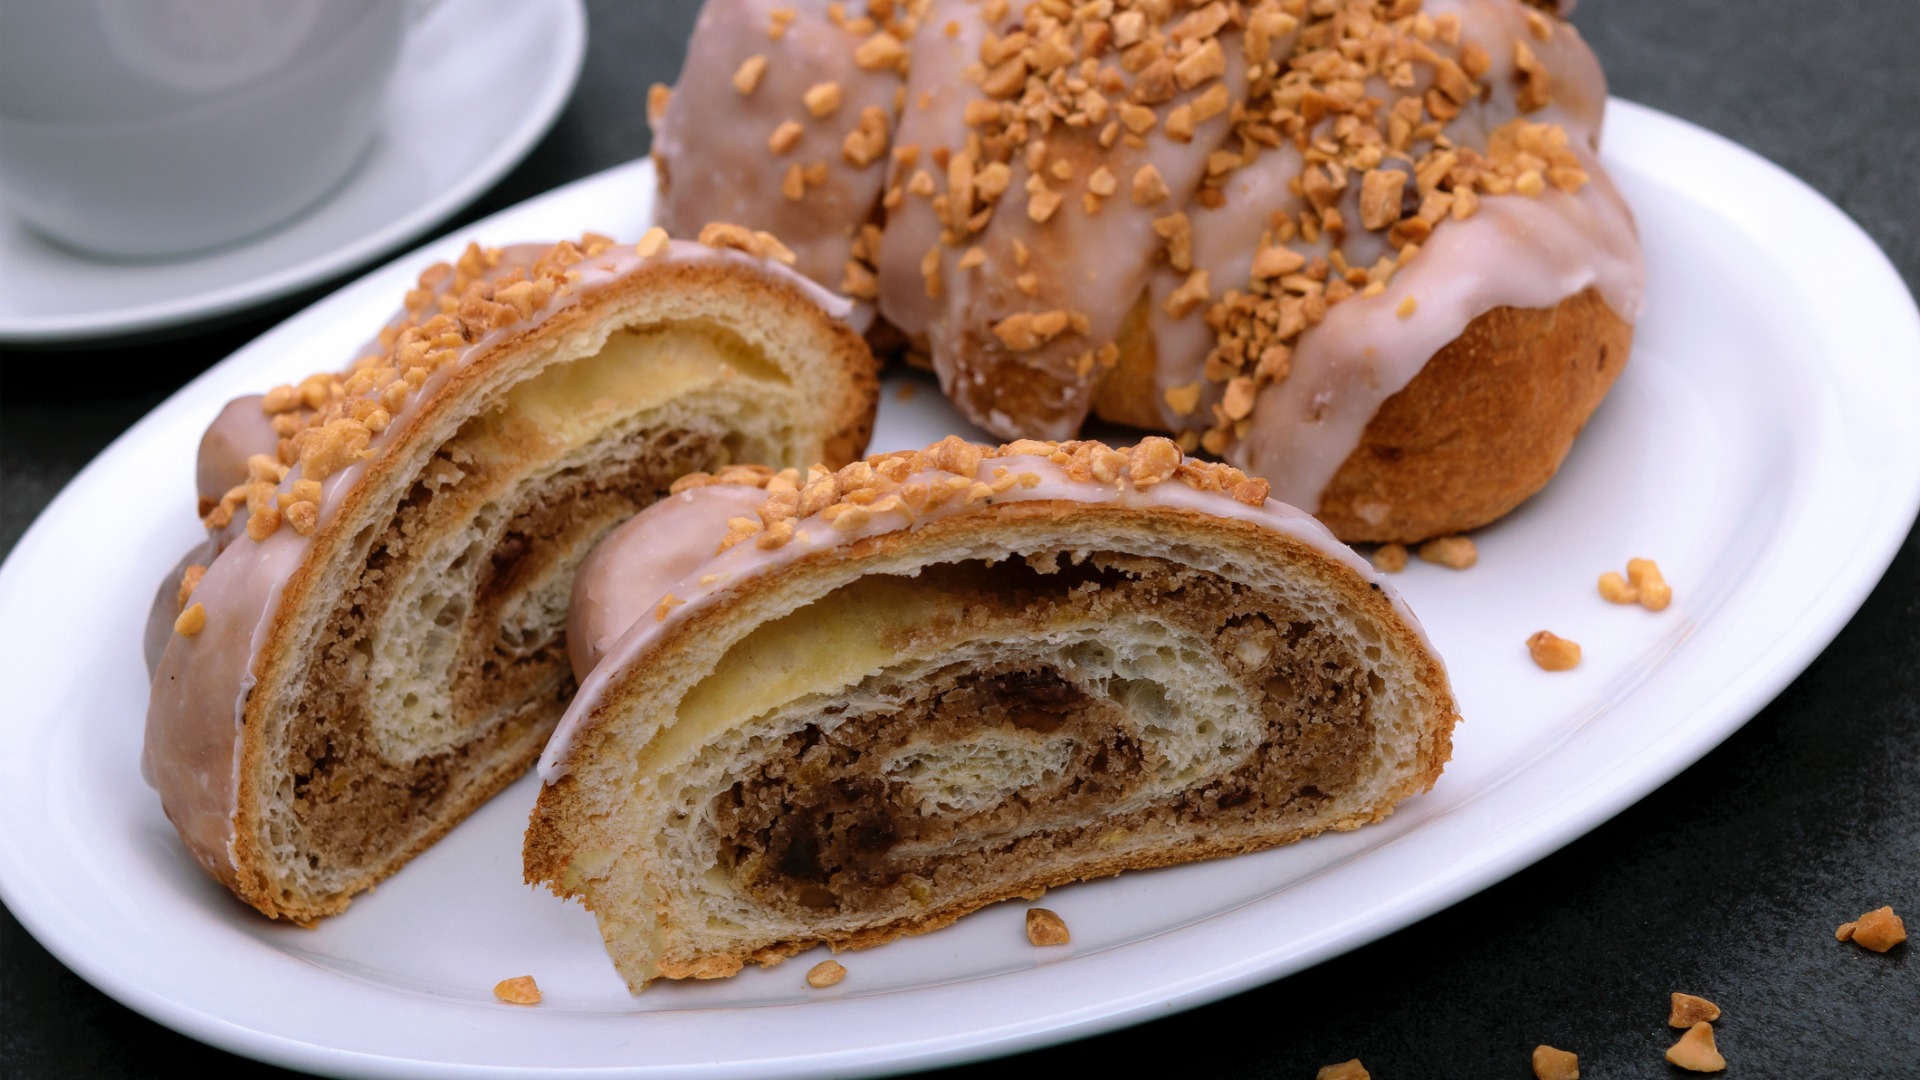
(844, 706)
(370, 642)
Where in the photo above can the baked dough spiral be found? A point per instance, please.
(370, 643)
(938, 679)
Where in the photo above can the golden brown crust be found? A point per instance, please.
(1483, 426)
(279, 662)
(565, 811)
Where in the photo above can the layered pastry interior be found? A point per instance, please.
(382, 600)
(969, 710)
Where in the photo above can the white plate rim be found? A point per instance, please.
(542, 109)
(1875, 291)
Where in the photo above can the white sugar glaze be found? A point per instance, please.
(624, 572)
(1515, 252)
(200, 686)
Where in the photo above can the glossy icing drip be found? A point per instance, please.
(714, 138)
(1515, 252)
(626, 572)
(201, 683)
(1097, 260)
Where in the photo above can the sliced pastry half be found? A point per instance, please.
(846, 705)
(371, 641)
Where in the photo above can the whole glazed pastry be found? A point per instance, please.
(844, 705)
(370, 641)
(1360, 248)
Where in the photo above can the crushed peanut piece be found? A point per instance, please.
(1878, 930)
(746, 79)
(1689, 1010)
(519, 990)
(667, 604)
(191, 621)
(822, 99)
(1454, 552)
(1390, 558)
(1552, 652)
(1551, 1063)
(826, 973)
(189, 580)
(1696, 1052)
(1615, 590)
(785, 136)
(1346, 1070)
(1046, 928)
(1655, 593)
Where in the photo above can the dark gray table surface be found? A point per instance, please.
(1726, 882)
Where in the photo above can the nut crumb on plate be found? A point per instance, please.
(1695, 1052)
(1552, 1063)
(1878, 930)
(1390, 558)
(1654, 592)
(1615, 590)
(1553, 652)
(826, 973)
(1455, 552)
(1046, 928)
(519, 990)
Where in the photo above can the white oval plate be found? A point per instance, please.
(479, 82)
(1759, 446)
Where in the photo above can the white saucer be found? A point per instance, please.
(480, 81)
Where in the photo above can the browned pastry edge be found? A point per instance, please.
(250, 875)
(1483, 426)
(548, 852)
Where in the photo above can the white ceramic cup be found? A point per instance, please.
(148, 128)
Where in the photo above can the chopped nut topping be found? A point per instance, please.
(1615, 590)
(880, 52)
(1553, 653)
(1192, 294)
(746, 79)
(1046, 928)
(1346, 1070)
(826, 973)
(519, 990)
(785, 136)
(822, 99)
(191, 621)
(1654, 592)
(1454, 552)
(1695, 1052)
(1149, 187)
(1390, 558)
(1689, 1010)
(1554, 1064)
(1878, 930)
(189, 580)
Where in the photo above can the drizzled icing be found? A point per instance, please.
(1515, 252)
(629, 574)
(714, 140)
(201, 683)
(1099, 265)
